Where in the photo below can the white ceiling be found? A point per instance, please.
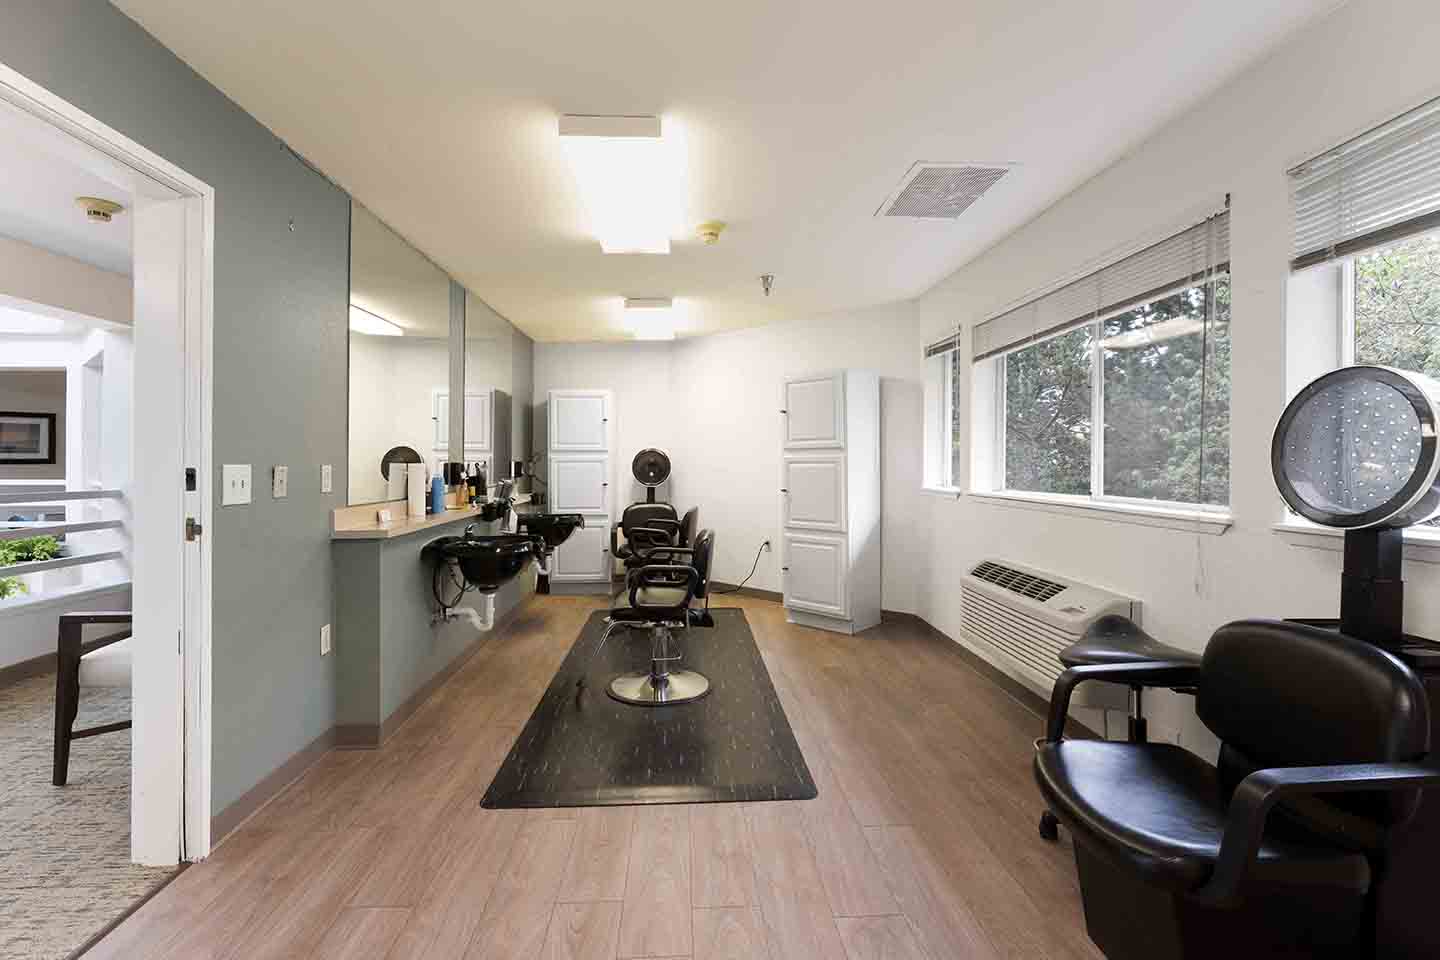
(392, 280)
(798, 119)
(37, 206)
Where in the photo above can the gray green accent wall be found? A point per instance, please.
(281, 300)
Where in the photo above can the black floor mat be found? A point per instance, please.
(592, 750)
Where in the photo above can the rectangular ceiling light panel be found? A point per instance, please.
(650, 318)
(363, 321)
(629, 179)
(940, 191)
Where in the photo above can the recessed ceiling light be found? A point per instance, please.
(363, 321)
(629, 178)
(650, 318)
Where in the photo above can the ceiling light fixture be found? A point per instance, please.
(650, 318)
(629, 179)
(363, 321)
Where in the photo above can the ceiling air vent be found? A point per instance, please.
(1017, 581)
(940, 191)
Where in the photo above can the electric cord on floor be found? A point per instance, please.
(753, 567)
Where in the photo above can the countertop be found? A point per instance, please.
(359, 523)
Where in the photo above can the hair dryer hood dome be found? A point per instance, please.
(1357, 448)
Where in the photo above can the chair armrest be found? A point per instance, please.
(1258, 793)
(1145, 673)
(657, 574)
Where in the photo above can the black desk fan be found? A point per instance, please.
(1357, 450)
(651, 468)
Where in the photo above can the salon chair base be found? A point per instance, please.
(1129, 919)
(645, 689)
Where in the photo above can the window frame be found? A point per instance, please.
(1097, 495)
(943, 432)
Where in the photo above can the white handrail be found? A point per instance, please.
(59, 496)
(25, 530)
(57, 563)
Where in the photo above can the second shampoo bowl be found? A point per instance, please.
(488, 562)
(551, 529)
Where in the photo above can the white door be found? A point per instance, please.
(580, 483)
(812, 491)
(585, 556)
(478, 423)
(814, 573)
(814, 409)
(579, 420)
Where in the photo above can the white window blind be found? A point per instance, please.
(1380, 187)
(1183, 260)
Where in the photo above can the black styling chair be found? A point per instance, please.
(664, 594)
(643, 525)
(1280, 850)
(1117, 639)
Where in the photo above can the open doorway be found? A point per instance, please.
(105, 272)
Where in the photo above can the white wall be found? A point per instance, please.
(713, 402)
(1349, 71)
(57, 283)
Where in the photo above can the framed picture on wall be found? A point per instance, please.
(27, 437)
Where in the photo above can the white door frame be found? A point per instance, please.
(174, 223)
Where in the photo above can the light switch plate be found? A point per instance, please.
(280, 481)
(327, 478)
(325, 640)
(235, 484)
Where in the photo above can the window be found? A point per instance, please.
(1161, 401)
(1393, 307)
(944, 409)
(1115, 386)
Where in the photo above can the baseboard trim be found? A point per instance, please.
(271, 784)
(343, 737)
(1016, 690)
(25, 669)
(717, 589)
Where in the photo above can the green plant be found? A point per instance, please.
(31, 548)
(10, 586)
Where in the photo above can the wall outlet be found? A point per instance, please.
(235, 484)
(280, 481)
(327, 478)
(325, 640)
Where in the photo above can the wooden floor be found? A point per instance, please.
(922, 843)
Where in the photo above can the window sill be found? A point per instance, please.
(935, 491)
(1210, 522)
(1420, 546)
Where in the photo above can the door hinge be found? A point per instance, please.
(193, 530)
(189, 479)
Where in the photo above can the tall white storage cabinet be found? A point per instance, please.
(830, 500)
(580, 455)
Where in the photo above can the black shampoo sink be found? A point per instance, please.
(488, 562)
(551, 529)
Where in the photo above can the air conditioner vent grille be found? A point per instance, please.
(941, 191)
(1017, 581)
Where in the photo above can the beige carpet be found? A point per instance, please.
(65, 869)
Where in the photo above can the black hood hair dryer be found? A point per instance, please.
(1356, 449)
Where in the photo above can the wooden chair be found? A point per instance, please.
(104, 662)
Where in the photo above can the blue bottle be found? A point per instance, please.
(437, 494)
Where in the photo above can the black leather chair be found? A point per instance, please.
(1281, 848)
(663, 598)
(643, 525)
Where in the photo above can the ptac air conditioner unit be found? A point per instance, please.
(1028, 616)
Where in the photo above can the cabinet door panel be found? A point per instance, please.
(815, 411)
(815, 572)
(813, 492)
(579, 420)
(580, 484)
(477, 422)
(585, 556)
(440, 417)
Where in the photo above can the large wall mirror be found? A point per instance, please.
(399, 356)
(412, 384)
